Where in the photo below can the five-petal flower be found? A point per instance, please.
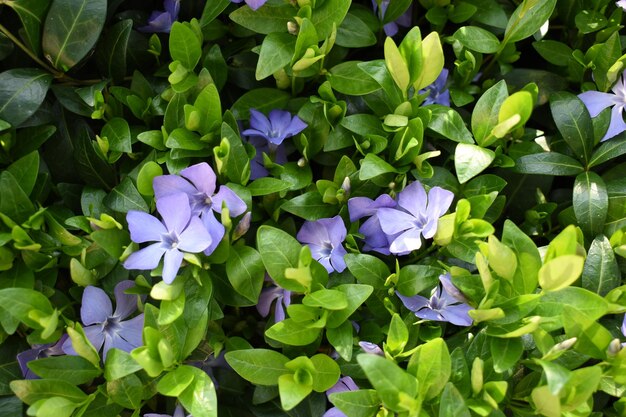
(275, 128)
(325, 237)
(179, 232)
(253, 4)
(267, 297)
(161, 21)
(105, 327)
(596, 101)
(442, 305)
(438, 93)
(39, 352)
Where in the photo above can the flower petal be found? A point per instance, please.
(394, 221)
(125, 304)
(337, 258)
(267, 297)
(235, 204)
(414, 303)
(172, 7)
(202, 176)
(146, 258)
(215, 229)
(413, 198)
(175, 211)
(95, 336)
(171, 264)
(295, 126)
(165, 185)
(195, 238)
(457, 314)
(259, 122)
(144, 227)
(132, 330)
(313, 232)
(255, 4)
(96, 306)
(617, 124)
(406, 242)
(596, 101)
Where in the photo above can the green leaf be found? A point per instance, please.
(238, 164)
(175, 382)
(267, 185)
(361, 403)
(373, 166)
(452, 403)
(117, 132)
(22, 90)
(556, 53)
(31, 13)
(560, 272)
(279, 251)
(470, 160)
(356, 294)
(327, 15)
(293, 333)
(396, 65)
(14, 202)
(185, 46)
(448, 123)
(548, 163)
(25, 171)
(592, 338)
(310, 206)
(265, 20)
(341, 339)
(71, 29)
(505, 352)
(589, 21)
(574, 123)
(276, 53)
(291, 391)
(19, 302)
(125, 197)
(31, 391)
(348, 78)
(527, 19)
(245, 271)
(590, 304)
(354, 33)
(92, 169)
(113, 48)
(611, 149)
(200, 398)
(326, 373)
(388, 379)
(259, 366)
(261, 99)
(414, 279)
(126, 391)
(118, 364)
(73, 369)
(212, 9)
(601, 272)
(477, 39)
(367, 269)
(432, 366)
(591, 202)
(486, 111)
(327, 299)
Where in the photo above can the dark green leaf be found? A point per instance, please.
(268, 185)
(31, 391)
(367, 269)
(361, 403)
(112, 50)
(309, 206)
(330, 13)
(548, 163)
(276, 53)
(611, 149)
(388, 379)
(349, 78)
(119, 364)
(31, 13)
(117, 132)
(448, 123)
(73, 369)
(22, 90)
(477, 39)
(293, 333)
(279, 251)
(528, 18)
(91, 167)
(601, 272)
(259, 366)
(261, 99)
(452, 403)
(125, 197)
(25, 171)
(211, 10)
(14, 202)
(265, 20)
(556, 53)
(573, 121)
(591, 202)
(71, 29)
(354, 33)
(245, 271)
(126, 391)
(185, 45)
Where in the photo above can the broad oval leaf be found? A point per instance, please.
(22, 90)
(591, 202)
(574, 123)
(71, 29)
(477, 39)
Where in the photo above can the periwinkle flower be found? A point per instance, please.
(596, 101)
(442, 305)
(275, 128)
(178, 412)
(325, 237)
(267, 297)
(392, 28)
(371, 348)
(621, 4)
(375, 238)
(39, 352)
(253, 4)
(199, 182)
(161, 21)
(438, 93)
(106, 328)
(257, 166)
(415, 215)
(179, 232)
(344, 384)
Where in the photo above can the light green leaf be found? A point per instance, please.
(470, 160)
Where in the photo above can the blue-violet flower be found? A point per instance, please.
(325, 237)
(375, 238)
(253, 4)
(178, 412)
(392, 28)
(275, 128)
(442, 305)
(344, 384)
(161, 21)
(39, 352)
(438, 93)
(596, 101)
(179, 232)
(105, 327)
(415, 215)
(267, 297)
(199, 182)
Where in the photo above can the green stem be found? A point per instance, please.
(8, 34)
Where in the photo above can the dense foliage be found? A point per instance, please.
(313, 207)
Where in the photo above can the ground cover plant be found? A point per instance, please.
(312, 208)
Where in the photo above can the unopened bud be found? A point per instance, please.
(345, 185)
(243, 226)
(392, 185)
(301, 162)
(293, 28)
(614, 347)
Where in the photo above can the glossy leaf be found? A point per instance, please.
(591, 202)
(574, 123)
(22, 91)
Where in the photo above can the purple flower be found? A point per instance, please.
(104, 326)
(276, 152)
(621, 3)
(375, 238)
(178, 412)
(39, 352)
(179, 232)
(392, 28)
(371, 348)
(416, 215)
(253, 4)
(162, 21)
(438, 93)
(267, 297)
(344, 384)
(597, 101)
(624, 323)
(442, 305)
(279, 126)
(324, 237)
(198, 182)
